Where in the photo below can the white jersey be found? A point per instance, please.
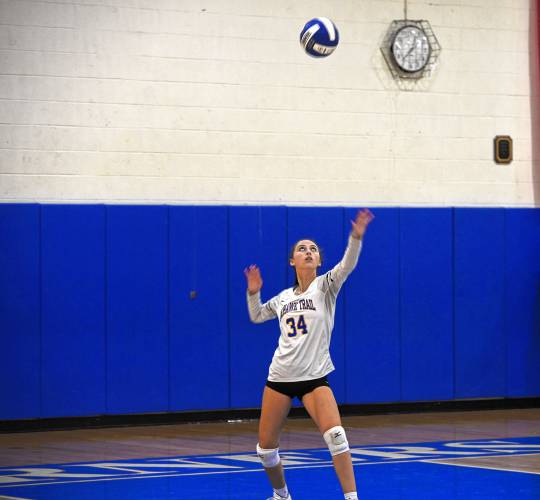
(306, 321)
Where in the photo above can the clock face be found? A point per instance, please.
(411, 49)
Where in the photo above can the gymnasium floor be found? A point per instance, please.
(454, 455)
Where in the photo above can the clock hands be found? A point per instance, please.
(413, 46)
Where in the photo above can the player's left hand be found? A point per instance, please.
(360, 224)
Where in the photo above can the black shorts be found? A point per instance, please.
(297, 389)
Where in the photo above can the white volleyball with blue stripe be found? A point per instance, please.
(320, 37)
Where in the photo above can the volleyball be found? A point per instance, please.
(319, 37)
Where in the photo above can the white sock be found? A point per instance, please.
(282, 492)
(351, 496)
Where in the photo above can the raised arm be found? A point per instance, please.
(335, 278)
(258, 312)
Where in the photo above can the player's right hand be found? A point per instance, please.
(253, 277)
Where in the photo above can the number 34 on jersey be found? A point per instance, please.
(297, 325)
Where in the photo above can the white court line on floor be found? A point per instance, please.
(152, 476)
(310, 466)
(502, 469)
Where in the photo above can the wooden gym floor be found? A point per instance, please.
(192, 439)
(146, 442)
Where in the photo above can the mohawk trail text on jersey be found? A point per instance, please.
(297, 305)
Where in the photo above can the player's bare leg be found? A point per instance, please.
(322, 407)
(275, 408)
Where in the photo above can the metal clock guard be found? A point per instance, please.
(410, 49)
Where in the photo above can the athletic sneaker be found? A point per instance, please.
(277, 497)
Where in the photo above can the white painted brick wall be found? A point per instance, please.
(213, 101)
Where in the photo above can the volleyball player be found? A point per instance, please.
(302, 361)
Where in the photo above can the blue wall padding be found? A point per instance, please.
(137, 310)
(522, 299)
(97, 315)
(325, 226)
(426, 305)
(372, 326)
(480, 351)
(20, 356)
(257, 235)
(73, 310)
(199, 341)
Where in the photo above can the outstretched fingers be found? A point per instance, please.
(253, 278)
(251, 270)
(364, 216)
(360, 224)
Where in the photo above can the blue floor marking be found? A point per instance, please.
(404, 474)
